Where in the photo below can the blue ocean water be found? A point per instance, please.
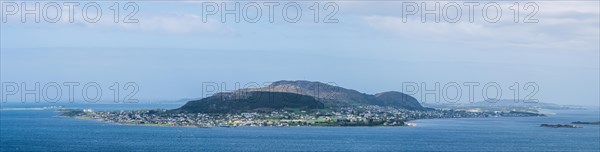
(43, 130)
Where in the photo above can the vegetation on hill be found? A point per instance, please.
(250, 102)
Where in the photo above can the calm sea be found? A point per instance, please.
(43, 130)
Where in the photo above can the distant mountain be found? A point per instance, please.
(179, 101)
(505, 104)
(524, 104)
(298, 94)
(512, 103)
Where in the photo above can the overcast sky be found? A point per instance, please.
(171, 51)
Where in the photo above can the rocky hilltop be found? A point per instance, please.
(297, 94)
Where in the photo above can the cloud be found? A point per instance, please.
(568, 26)
(186, 23)
(167, 23)
(150, 20)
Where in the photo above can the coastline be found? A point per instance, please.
(408, 123)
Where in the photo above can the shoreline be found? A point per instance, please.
(152, 125)
(409, 123)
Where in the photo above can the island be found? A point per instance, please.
(290, 103)
(558, 126)
(587, 123)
